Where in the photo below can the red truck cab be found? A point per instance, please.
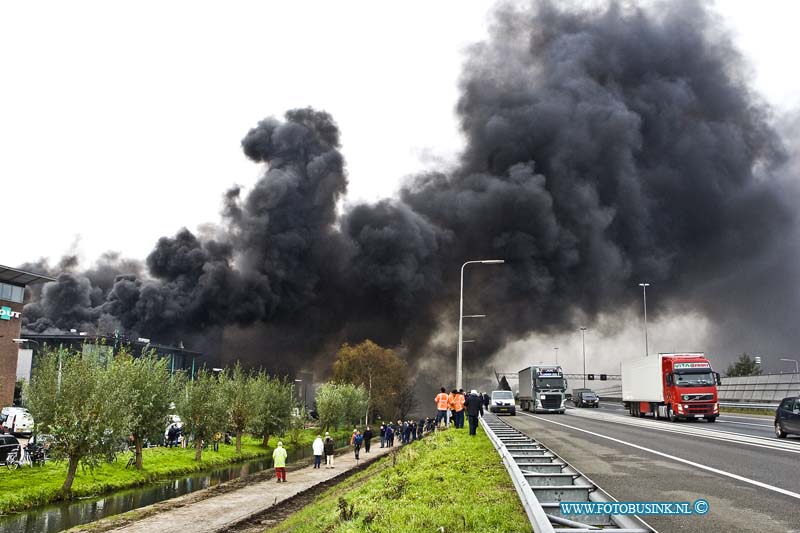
(690, 388)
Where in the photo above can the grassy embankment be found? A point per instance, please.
(740, 411)
(448, 480)
(28, 487)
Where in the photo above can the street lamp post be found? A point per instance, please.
(555, 348)
(583, 340)
(644, 296)
(459, 356)
(796, 364)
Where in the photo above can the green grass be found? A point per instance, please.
(29, 487)
(448, 480)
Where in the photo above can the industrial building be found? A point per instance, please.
(12, 300)
(102, 346)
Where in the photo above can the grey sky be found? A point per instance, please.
(120, 123)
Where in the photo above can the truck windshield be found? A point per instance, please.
(694, 379)
(550, 383)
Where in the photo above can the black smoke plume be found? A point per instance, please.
(604, 147)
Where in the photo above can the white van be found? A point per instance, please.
(17, 421)
(503, 402)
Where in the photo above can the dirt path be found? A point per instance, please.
(220, 512)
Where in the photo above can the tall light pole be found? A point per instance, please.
(459, 359)
(644, 295)
(583, 339)
(555, 349)
(796, 365)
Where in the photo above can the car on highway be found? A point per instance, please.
(585, 398)
(503, 402)
(787, 417)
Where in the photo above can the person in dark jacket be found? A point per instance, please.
(474, 408)
(389, 435)
(367, 439)
(486, 400)
(420, 428)
(383, 434)
(328, 448)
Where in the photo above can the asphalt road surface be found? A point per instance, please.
(750, 478)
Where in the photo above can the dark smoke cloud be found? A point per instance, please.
(604, 147)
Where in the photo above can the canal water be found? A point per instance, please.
(61, 516)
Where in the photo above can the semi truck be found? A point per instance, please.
(671, 386)
(542, 389)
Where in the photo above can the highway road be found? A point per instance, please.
(750, 478)
(758, 426)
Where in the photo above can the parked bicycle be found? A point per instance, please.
(36, 453)
(14, 460)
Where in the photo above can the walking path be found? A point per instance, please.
(218, 512)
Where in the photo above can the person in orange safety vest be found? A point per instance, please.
(441, 406)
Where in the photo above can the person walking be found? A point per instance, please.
(383, 434)
(279, 462)
(319, 448)
(367, 439)
(328, 447)
(474, 408)
(358, 440)
(441, 407)
(486, 400)
(389, 435)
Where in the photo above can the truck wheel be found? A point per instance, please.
(671, 415)
(711, 419)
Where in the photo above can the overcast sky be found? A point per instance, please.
(122, 123)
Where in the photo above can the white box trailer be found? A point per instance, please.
(641, 380)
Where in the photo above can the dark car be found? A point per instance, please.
(787, 417)
(7, 444)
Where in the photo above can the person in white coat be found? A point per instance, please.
(319, 447)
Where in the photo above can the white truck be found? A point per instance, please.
(542, 389)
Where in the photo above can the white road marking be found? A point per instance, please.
(678, 459)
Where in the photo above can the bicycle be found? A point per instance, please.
(13, 460)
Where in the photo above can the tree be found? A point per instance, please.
(77, 400)
(375, 368)
(744, 366)
(330, 405)
(406, 401)
(340, 403)
(240, 400)
(148, 389)
(273, 406)
(201, 409)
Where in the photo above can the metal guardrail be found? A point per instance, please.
(536, 515)
(543, 480)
